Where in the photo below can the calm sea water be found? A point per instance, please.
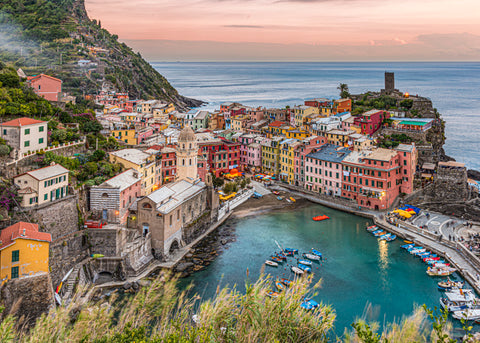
(358, 271)
(453, 88)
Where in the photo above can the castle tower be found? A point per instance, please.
(187, 153)
(389, 82)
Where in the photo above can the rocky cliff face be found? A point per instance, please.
(51, 36)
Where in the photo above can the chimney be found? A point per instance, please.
(23, 234)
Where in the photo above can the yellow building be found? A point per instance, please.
(297, 134)
(239, 123)
(300, 112)
(339, 137)
(287, 160)
(142, 162)
(271, 155)
(161, 111)
(128, 118)
(23, 251)
(326, 111)
(126, 135)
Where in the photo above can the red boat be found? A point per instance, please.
(320, 218)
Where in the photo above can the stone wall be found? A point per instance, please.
(59, 218)
(104, 241)
(34, 294)
(450, 185)
(65, 253)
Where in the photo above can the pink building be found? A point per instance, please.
(371, 121)
(143, 134)
(255, 115)
(112, 199)
(309, 145)
(245, 140)
(375, 178)
(323, 170)
(202, 168)
(46, 86)
(254, 155)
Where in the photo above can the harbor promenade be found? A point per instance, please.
(433, 236)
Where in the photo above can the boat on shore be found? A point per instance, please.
(316, 252)
(449, 285)
(271, 263)
(287, 282)
(276, 259)
(279, 198)
(295, 251)
(311, 257)
(320, 218)
(297, 270)
(273, 294)
(292, 199)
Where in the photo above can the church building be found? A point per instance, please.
(178, 212)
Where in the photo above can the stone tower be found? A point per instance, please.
(389, 82)
(187, 153)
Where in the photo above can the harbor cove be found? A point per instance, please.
(361, 276)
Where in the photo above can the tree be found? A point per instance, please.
(98, 155)
(344, 92)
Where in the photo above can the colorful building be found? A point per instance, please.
(24, 135)
(113, 198)
(323, 170)
(309, 145)
(271, 155)
(339, 137)
(41, 186)
(24, 251)
(371, 121)
(287, 160)
(301, 112)
(126, 135)
(46, 86)
(342, 105)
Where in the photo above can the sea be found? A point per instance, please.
(454, 88)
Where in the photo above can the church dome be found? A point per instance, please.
(187, 135)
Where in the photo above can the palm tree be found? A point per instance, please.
(343, 88)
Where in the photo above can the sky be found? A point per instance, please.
(295, 30)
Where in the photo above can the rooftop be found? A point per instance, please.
(451, 164)
(46, 172)
(405, 147)
(381, 154)
(330, 153)
(371, 112)
(22, 122)
(132, 155)
(122, 180)
(22, 230)
(172, 195)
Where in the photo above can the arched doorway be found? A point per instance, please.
(174, 246)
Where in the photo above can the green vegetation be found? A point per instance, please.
(392, 141)
(51, 36)
(344, 92)
(162, 313)
(383, 102)
(90, 169)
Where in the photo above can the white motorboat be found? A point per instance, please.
(443, 271)
(468, 314)
(311, 257)
(297, 270)
(271, 263)
(459, 300)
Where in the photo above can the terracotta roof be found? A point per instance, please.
(22, 230)
(277, 123)
(30, 78)
(22, 122)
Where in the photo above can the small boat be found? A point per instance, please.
(431, 258)
(292, 199)
(320, 218)
(415, 248)
(305, 268)
(97, 255)
(289, 201)
(286, 282)
(391, 238)
(273, 294)
(459, 300)
(316, 252)
(276, 192)
(468, 314)
(384, 237)
(372, 227)
(444, 271)
(378, 234)
(408, 242)
(280, 286)
(297, 270)
(279, 198)
(271, 263)
(432, 263)
(417, 251)
(309, 304)
(281, 256)
(449, 284)
(305, 262)
(311, 257)
(276, 259)
(289, 253)
(295, 251)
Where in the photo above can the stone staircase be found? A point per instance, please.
(70, 283)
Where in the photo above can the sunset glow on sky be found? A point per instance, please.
(408, 29)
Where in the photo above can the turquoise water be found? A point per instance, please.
(358, 270)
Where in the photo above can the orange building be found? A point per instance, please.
(342, 105)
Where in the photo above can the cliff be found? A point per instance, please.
(52, 36)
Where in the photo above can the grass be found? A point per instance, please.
(163, 313)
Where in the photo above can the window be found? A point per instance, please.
(41, 128)
(14, 272)
(40, 140)
(26, 144)
(27, 131)
(15, 255)
(45, 197)
(4, 131)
